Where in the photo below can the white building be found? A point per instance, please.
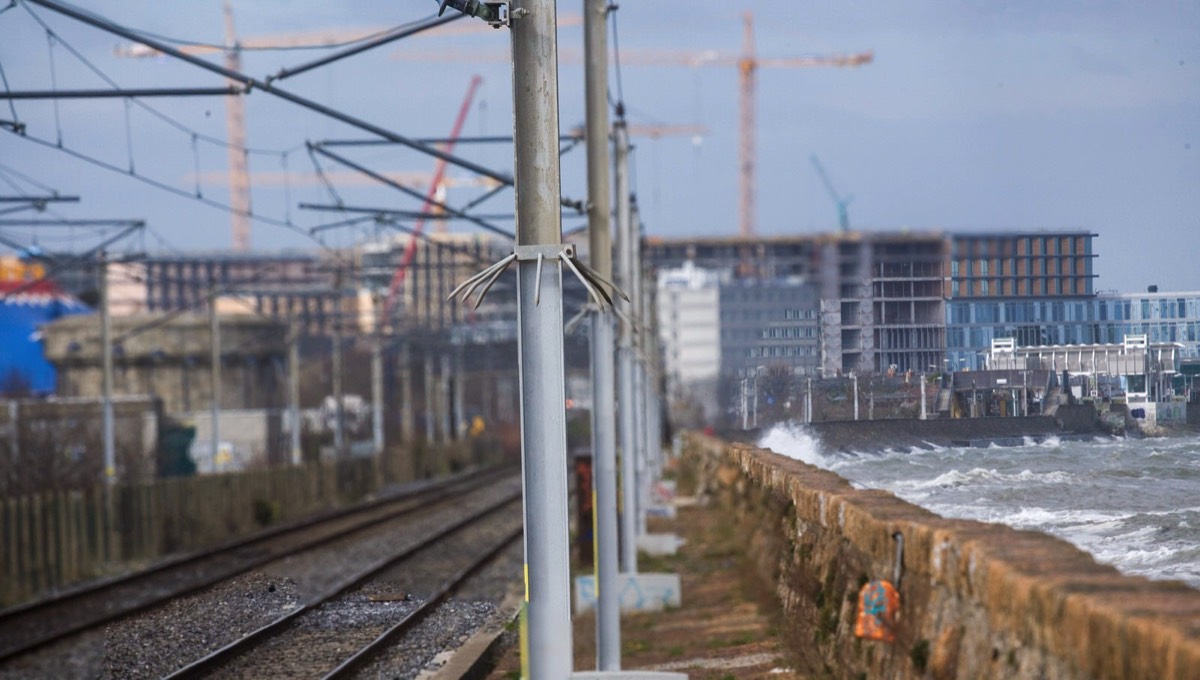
(689, 317)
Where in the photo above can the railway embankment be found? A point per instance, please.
(976, 600)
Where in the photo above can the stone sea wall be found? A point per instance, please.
(977, 600)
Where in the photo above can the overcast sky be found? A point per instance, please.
(1013, 115)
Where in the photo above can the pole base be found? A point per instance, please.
(639, 592)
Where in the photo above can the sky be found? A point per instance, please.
(973, 116)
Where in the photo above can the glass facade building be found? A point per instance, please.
(1103, 319)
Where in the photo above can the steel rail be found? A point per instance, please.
(83, 623)
(204, 666)
(448, 586)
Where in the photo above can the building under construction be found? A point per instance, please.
(880, 296)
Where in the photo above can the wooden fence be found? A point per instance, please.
(51, 540)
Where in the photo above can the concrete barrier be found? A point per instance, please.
(977, 600)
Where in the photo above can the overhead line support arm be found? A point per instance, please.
(370, 44)
(412, 192)
(142, 92)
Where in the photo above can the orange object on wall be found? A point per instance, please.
(878, 609)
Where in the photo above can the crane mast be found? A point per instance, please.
(235, 125)
(747, 66)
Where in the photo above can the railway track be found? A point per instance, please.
(28, 628)
(306, 642)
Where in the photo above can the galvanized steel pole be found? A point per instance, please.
(377, 392)
(408, 426)
(339, 422)
(625, 403)
(460, 380)
(294, 391)
(639, 367)
(444, 406)
(214, 330)
(540, 338)
(110, 450)
(430, 434)
(604, 424)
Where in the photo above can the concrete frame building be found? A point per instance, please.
(880, 297)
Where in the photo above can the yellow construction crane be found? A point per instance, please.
(747, 62)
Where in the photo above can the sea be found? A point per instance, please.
(1131, 503)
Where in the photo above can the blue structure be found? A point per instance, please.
(24, 307)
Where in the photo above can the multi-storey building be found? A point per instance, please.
(1036, 287)
(879, 297)
(1106, 318)
(689, 327)
(770, 322)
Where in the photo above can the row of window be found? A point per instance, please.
(1029, 285)
(782, 351)
(980, 337)
(1082, 310)
(789, 332)
(1077, 244)
(1024, 266)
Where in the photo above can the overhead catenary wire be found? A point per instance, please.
(4, 80)
(54, 83)
(287, 48)
(162, 185)
(619, 105)
(251, 82)
(146, 107)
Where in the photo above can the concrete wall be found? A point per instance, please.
(169, 357)
(977, 600)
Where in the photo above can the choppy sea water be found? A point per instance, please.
(1131, 503)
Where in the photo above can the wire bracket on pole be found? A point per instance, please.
(593, 282)
(496, 13)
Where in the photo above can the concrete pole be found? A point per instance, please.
(109, 426)
(214, 330)
(294, 391)
(604, 424)
(377, 392)
(625, 384)
(540, 338)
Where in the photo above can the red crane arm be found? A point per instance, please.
(439, 171)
